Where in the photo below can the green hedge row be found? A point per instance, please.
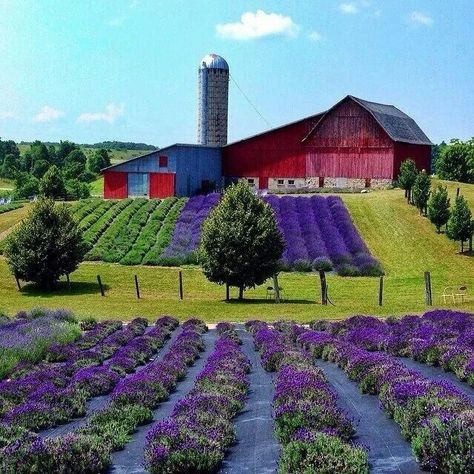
(95, 215)
(103, 249)
(10, 207)
(83, 208)
(163, 238)
(128, 234)
(149, 232)
(93, 234)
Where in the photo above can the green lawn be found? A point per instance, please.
(6, 184)
(97, 187)
(406, 244)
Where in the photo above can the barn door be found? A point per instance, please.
(263, 182)
(162, 185)
(137, 184)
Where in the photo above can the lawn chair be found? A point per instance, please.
(455, 292)
(271, 293)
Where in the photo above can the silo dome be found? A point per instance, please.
(213, 61)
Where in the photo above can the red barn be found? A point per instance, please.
(354, 144)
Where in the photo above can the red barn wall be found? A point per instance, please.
(115, 185)
(162, 185)
(277, 153)
(349, 143)
(420, 154)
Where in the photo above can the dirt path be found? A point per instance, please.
(389, 452)
(130, 459)
(256, 450)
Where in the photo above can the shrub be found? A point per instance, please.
(301, 265)
(322, 264)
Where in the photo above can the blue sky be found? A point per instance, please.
(94, 70)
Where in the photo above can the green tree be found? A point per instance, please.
(460, 225)
(63, 150)
(74, 164)
(26, 185)
(407, 177)
(98, 160)
(456, 161)
(241, 245)
(39, 168)
(9, 147)
(76, 189)
(438, 207)
(9, 167)
(46, 245)
(421, 191)
(51, 184)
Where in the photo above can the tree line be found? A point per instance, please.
(435, 204)
(60, 172)
(454, 161)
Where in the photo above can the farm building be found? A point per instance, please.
(355, 144)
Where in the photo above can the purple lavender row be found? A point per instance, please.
(442, 338)
(315, 434)
(320, 233)
(187, 231)
(194, 438)
(435, 416)
(89, 449)
(55, 402)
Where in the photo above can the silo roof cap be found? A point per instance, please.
(213, 61)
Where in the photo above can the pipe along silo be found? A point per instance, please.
(213, 98)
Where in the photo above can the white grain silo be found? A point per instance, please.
(213, 97)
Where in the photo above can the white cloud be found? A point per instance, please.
(112, 111)
(315, 36)
(257, 25)
(6, 115)
(420, 18)
(348, 8)
(118, 21)
(48, 114)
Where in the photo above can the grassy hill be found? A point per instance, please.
(405, 243)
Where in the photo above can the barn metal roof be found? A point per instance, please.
(213, 61)
(397, 124)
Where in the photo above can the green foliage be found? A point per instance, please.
(456, 161)
(324, 455)
(46, 245)
(74, 164)
(51, 184)
(407, 176)
(9, 166)
(421, 191)
(26, 186)
(460, 225)
(76, 189)
(10, 207)
(39, 168)
(438, 207)
(241, 244)
(63, 150)
(98, 160)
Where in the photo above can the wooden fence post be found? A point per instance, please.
(227, 295)
(428, 295)
(180, 285)
(18, 283)
(99, 281)
(68, 282)
(458, 190)
(276, 288)
(381, 290)
(324, 288)
(137, 288)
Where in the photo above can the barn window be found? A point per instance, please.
(280, 182)
(291, 182)
(163, 161)
(321, 181)
(251, 181)
(367, 182)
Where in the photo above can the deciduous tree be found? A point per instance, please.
(438, 207)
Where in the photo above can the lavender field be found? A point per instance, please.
(318, 232)
(174, 398)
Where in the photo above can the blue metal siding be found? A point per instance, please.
(138, 184)
(194, 165)
(150, 163)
